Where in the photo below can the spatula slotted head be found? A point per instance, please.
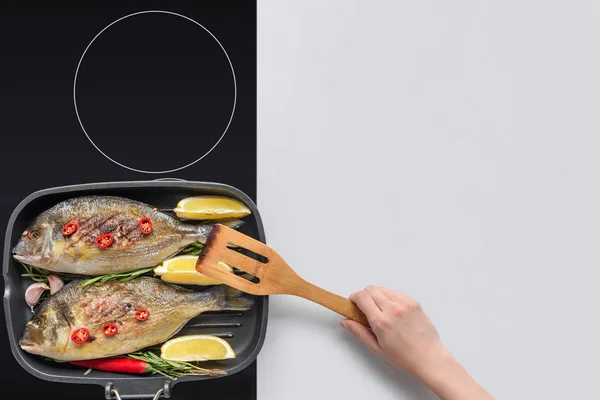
(226, 245)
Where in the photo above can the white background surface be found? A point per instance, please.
(448, 149)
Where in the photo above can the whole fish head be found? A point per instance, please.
(41, 244)
(47, 334)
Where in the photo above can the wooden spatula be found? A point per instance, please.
(225, 245)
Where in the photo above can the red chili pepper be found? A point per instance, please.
(80, 336)
(127, 365)
(69, 228)
(110, 329)
(136, 366)
(142, 314)
(146, 225)
(105, 240)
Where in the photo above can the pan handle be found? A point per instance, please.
(112, 393)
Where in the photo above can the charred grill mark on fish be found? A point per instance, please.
(124, 229)
(105, 309)
(87, 231)
(131, 234)
(108, 226)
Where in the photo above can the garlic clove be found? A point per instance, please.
(55, 283)
(34, 292)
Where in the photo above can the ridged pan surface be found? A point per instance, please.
(244, 331)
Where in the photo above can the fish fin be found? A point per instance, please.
(202, 231)
(232, 299)
(232, 223)
(246, 276)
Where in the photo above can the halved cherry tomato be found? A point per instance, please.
(80, 336)
(142, 314)
(69, 228)
(146, 225)
(110, 329)
(105, 240)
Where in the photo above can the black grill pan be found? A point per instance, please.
(244, 331)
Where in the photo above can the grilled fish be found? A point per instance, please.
(71, 324)
(97, 235)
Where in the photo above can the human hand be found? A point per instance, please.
(403, 334)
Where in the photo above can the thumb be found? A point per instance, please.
(362, 333)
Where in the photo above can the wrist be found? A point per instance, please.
(437, 367)
(448, 379)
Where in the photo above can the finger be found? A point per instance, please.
(381, 300)
(363, 334)
(395, 296)
(366, 304)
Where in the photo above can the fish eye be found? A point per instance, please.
(33, 234)
(39, 322)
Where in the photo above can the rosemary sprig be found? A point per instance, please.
(36, 274)
(41, 275)
(172, 369)
(193, 249)
(45, 294)
(121, 277)
(54, 360)
(158, 365)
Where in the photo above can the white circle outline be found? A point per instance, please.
(160, 12)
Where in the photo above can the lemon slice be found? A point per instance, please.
(196, 348)
(182, 270)
(211, 207)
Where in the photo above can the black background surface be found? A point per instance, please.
(152, 99)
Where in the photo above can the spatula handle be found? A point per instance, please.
(332, 301)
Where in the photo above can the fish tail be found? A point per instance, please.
(229, 298)
(232, 223)
(202, 231)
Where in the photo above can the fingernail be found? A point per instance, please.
(343, 324)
